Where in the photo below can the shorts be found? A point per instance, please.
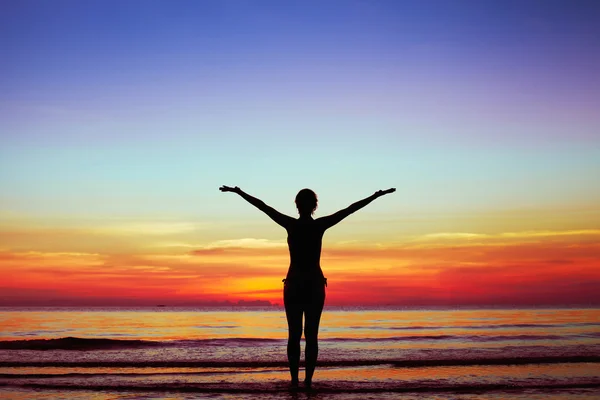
(304, 293)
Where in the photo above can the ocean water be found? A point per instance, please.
(181, 353)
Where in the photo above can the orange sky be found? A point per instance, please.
(118, 126)
(508, 258)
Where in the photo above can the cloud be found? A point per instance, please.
(538, 234)
(451, 235)
(459, 239)
(550, 267)
(38, 259)
(148, 228)
(245, 247)
(248, 243)
(522, 234)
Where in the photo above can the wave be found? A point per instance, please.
(237, 341)
(216, 326)
(77, 343)
(147, 372)
(497, 326)
(410, 363)
(470, 338)
(322, 387)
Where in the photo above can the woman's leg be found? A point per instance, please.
(293, 313)
(312, 317)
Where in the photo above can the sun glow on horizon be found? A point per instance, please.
(120, 120)
(518, 267)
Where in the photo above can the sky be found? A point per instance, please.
(120, 120)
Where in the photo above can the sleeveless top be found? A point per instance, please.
(304, 241)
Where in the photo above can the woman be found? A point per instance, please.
(304, 285)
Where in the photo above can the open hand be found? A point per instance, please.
(382, 192)
(229, 189)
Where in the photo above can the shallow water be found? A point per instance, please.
(233, 353)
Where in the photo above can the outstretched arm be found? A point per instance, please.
(275, 215)
(333, 219)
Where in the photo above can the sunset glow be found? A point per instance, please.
(526, 267)
(120, 120)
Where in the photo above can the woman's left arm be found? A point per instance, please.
(335, 218)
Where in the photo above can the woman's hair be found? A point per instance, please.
(306, 202)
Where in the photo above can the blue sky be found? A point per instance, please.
(146, 107)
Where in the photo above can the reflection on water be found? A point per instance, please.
(233, 353)
(178, 324)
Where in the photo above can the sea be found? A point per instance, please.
(240, 353)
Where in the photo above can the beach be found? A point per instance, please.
(226, 353)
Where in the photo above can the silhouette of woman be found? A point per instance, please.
(304, 285)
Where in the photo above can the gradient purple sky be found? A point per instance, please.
(484, 114)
